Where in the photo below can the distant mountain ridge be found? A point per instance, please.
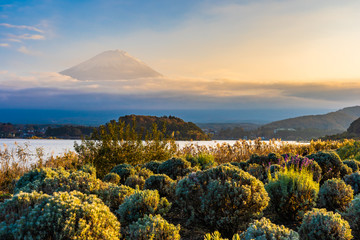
(111, 65)
(339, 120)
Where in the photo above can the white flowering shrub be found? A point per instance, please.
(141, 203)
(63, 215)
(266, 230)
(153, 227)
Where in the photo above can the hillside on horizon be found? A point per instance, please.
(311, 126)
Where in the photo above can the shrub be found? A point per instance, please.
(329, 162)
(113, 196)
(242, 165)
(60, 180)
(320, 224)
(163, 183)
(153, 227)
(217, 236)
(124, 171)
(345, 170)
(291, 193)
(175, 167)
(141, 203)
(61, 216)
(112, 178)
(259, 159)
(300, 163)
(221, 198)
(203, 161)
(354, 181)
(152, 166)
(266, 230)
(39, 174)
(352, 215)
(259, 171)
(88, 168)
(135, 181)
(353, 164)
(334, 195)
(144, 173)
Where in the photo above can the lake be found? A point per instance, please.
(54, 147)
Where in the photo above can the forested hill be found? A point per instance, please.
(176, 127)
(339, 120)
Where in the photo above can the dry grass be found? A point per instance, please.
(243, 149)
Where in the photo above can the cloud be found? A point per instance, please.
(27, 51)
(4, 45)
(31, 28)
(27, 36)
(189, 92)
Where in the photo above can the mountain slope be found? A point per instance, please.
(339, 120)
(111, 65)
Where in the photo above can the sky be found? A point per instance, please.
(259, 54)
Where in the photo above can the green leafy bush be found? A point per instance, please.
(353, 164)
(354, 181)
(144, 173)
(292, 193)
(335, 194)
(330, 164)
(203, 161)
(175, 167)
(124, 171)
(152, 166)
(112, 178)
(242, 165)
(141, 203)
(217, 236)
(266, 230)
(221, 198)
(117, 143)
(320, 224)
(61, 216)
(352, 215)
(163, 183)
(153, 227)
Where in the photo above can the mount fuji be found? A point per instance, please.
(111, 65)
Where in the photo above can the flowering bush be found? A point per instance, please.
(292, 192)
(217, 236)
(141, 203)
(221, 198)
(300, 163)
(153, 227)
(320, 224)
(266, 230)
(335, 194)
(61, 216)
